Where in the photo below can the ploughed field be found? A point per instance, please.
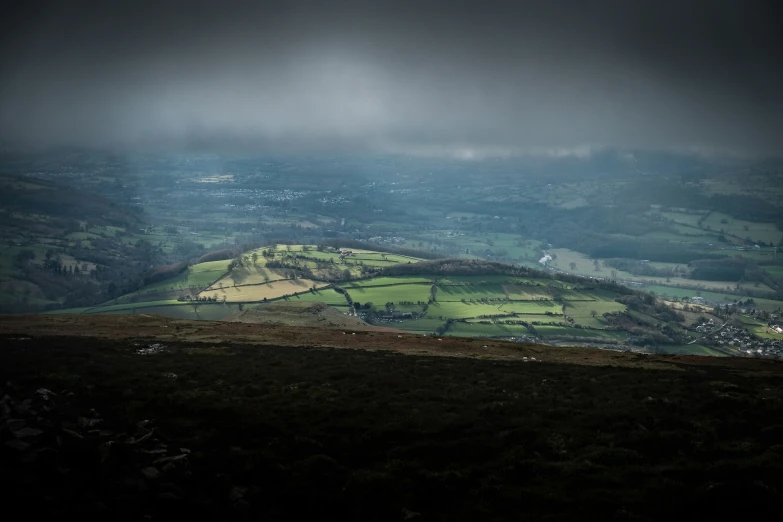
(253, 422)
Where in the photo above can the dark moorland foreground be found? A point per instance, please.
(279, 423)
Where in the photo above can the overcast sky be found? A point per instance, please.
(441, 77)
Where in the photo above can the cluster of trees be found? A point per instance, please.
(648, 305)
(164, 272)
(217, 255)
(201, 299)
(55, 266)
(451, 267)
(726, 269)
(484, 300)
(362, 245)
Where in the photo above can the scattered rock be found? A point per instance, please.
(165, 460)
(409, 515)
(141, 439)
(150, 473)
(15, 424)
(28, 433)
(72, 433)
(84, 422)
(46, 453)
(24, 406)
(45, 394)
(152, 349)
(237, 493)
(17, 445)
(241, 505)
(154, 452)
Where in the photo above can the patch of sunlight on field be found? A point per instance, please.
(468, 292)
(582, 312)
(379, 295)
(487, 330)
(387, 281)
(272, 290)
(765, 232)
(254, 275)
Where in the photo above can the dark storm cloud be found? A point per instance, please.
(441, 77)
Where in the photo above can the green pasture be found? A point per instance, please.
(765, 232)
(422, 325)
(487, 330)
(531, 307)
(379, 295)
(387, 281)
(689, 349)
(582, 312)
(124, 307)
(775, 271)
(468, 292)
(202, 275)
(559, 331)
(458, 310)
(328, 296)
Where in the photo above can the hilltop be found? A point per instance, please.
(133, 417)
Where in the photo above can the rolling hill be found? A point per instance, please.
(446, 297)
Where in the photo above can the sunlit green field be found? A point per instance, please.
(468, 292)
(394, 294)
(582, 312)
(487, 330)
(385, 281)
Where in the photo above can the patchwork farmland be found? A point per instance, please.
(560, 310)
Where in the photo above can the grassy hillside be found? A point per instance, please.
(56, 239)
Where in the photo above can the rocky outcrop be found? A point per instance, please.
(72, 463)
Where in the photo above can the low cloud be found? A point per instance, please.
(459, 79)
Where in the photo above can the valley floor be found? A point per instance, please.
(252, 422)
